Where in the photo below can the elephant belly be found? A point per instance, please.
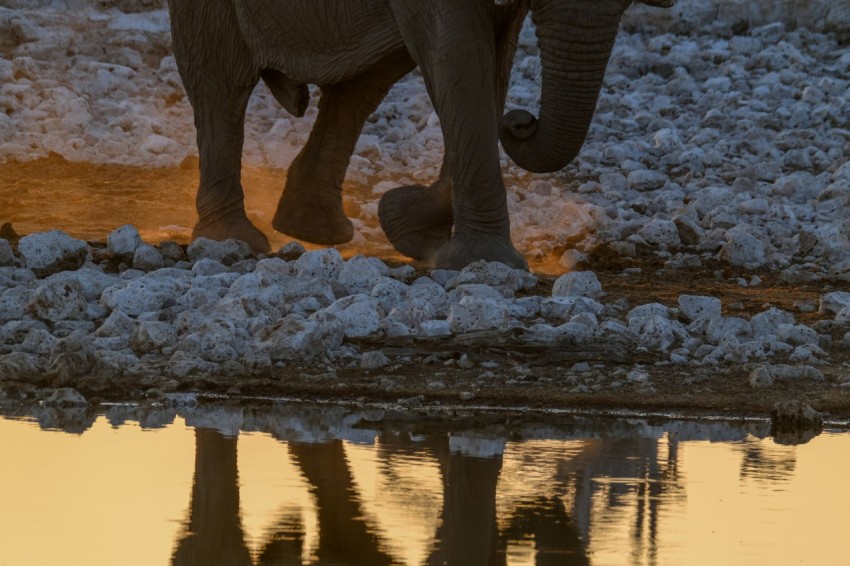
(319, 41)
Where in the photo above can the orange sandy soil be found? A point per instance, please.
(524, 378)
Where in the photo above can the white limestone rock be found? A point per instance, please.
(124, 241)
(302, 339)
(768, 375)
(494, 274)
(227, 252)
(658, 332)
(153, 336)
(72, 356)
(47, 252)
(435, 328)
(13, 303)
(117, 324)
(479, 290)
(147, 258)
(564, 308)
(39, 342)
(833, 303)
(474, 313)
(360, 315)
(360, 273)
(797, 334)
(388, 292)
(21, 366)
(58, 300)
(693, 307)
(767, 322)
(145, 294)
(649, 309)
(743, 249)
(728, 330)
(525, 307)
(207, 267)
(646, 180)
(660, 232)
(578, 284)
(323, 264)
(374, 360)
(66, 398)
(91, 280)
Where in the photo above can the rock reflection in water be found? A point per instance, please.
(584, 492)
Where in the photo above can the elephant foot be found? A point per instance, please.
(316, 223)
(238, 228)
(416, 220)
(462, 250)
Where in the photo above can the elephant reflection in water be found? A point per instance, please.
(468, 534)
(214, 535)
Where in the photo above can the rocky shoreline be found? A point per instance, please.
(129, 320)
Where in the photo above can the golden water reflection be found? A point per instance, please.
(317, 488)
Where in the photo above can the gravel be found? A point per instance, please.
(714, 140)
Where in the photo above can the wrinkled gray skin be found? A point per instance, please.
(355, 50)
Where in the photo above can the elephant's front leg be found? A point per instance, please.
(311, 206)
(418, 220)
(219, 76)
(453, 44)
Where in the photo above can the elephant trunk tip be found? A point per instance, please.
(518, 132)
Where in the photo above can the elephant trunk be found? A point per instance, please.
(575, 38)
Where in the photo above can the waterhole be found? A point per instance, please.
(287, 483)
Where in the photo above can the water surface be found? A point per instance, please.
(294, 484)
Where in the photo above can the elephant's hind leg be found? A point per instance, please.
(219, 75)
(311, 206)
(418, 220)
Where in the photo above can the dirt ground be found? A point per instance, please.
(447, 372)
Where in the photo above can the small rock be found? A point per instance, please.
(466, 396)
(660, 232)
(171, 251)
(794, 422)
(124, 241)
(48, 252)
(474, 313)
(227, 252)
(646, 180)
(57, 300)
(743, 249)
(835, 302)
(291, 251)
(577, 284)
(693, 307)
(65, 398)
(323, 264)
(147, 258)
(374, 360)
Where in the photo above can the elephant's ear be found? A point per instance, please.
(659, 3)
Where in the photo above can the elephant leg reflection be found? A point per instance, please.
(311, 205)
(344, 536)
(214, 535)
(557, 540)
(469, 534)
(286, 544)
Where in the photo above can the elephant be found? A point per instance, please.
(355, 50)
